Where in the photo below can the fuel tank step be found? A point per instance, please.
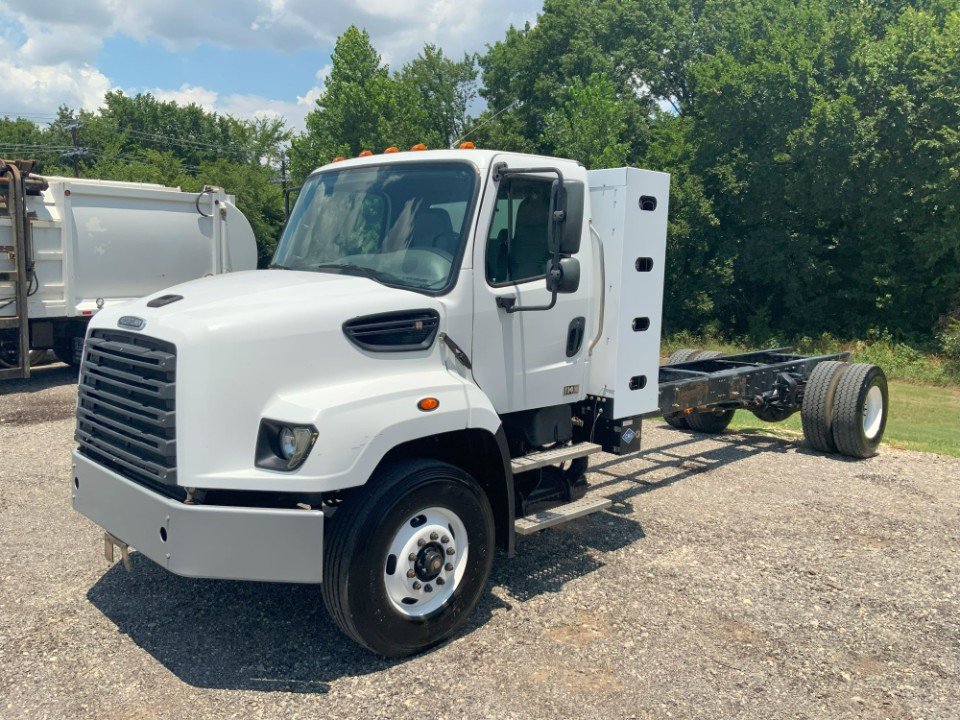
(560, 514)
(553, 456)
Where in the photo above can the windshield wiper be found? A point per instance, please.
(374, 275)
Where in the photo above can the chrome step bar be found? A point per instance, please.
(561, 514)
(553, 456)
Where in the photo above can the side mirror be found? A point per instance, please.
(564, 277)
(569, 200)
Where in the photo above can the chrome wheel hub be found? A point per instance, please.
(426, 561)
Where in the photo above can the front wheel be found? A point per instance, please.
(407, 557)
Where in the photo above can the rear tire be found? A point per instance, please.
(368, 541)
(773, 414)
(711, 421)
(682, 356)
(860, 410)
(678, 420)
(816, 412)
(64, 352)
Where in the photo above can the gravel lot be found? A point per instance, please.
(735, 576)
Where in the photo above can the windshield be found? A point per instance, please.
(401, 224)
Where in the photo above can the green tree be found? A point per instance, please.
(589, 124)
(432, 94)
(349, 116)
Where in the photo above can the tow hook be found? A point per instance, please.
(110, 542)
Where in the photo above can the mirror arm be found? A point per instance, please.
(499, 172)
(510, 304)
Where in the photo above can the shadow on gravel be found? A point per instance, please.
(41, 378)
(271, 637)
(231, 635)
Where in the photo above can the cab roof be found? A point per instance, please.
(481, 159)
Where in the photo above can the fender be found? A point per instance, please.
(359, 423)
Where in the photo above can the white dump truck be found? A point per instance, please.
(69, 247)
(442, 340)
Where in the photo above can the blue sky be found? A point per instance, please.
(246, 57)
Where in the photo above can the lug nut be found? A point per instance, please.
(421, 542)
(444, 539)
(428, 588)
(434, 536)
(451, 551)
(412, 557)
(416, 586)
(440, 581)
(448, 567)
(411, 574)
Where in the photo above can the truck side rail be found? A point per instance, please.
(732, 380)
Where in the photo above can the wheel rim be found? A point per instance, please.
(872, 412)
(426, 561)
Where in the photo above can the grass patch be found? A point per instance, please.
(921, 417)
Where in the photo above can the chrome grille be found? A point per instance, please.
(126, 415)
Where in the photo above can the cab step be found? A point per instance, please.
(560, 514)
(553, 456)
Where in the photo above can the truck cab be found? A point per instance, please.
(442, 340)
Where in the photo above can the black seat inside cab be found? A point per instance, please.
(432, 229)
(529, 251)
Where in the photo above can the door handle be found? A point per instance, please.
(575, 335)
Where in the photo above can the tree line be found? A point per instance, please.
(814, 145)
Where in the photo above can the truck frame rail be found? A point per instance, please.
(754, 379)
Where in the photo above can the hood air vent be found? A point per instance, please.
(400, 331)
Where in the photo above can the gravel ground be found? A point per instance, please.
(734, 576)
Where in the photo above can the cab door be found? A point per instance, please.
(526, 359)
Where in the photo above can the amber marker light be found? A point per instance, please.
(365, 153)
(466, 145)
(392, 149)
(338, 158)
(428, 404)
(419, 146)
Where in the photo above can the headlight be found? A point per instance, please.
(288, 443)
(283, 447)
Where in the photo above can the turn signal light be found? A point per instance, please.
(419, 146)
(428, 404)
(338, 158)
(467, 145)
(392, 149)
(365, 153)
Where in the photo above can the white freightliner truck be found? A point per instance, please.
(442, 340)
(70, 246)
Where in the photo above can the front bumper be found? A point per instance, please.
(208, 541)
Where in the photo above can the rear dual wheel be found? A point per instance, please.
(845, 408)
(407, 557)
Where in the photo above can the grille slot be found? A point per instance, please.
(126, 415)
(398, 331)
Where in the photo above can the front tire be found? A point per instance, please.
(407, 557)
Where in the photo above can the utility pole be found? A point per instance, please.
(283, 184)
(74, 129)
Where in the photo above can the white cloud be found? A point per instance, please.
(50, 48)
(240, 104)
(43, 88)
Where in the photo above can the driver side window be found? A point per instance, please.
(517, 245)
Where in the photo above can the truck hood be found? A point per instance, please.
(276, 298)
